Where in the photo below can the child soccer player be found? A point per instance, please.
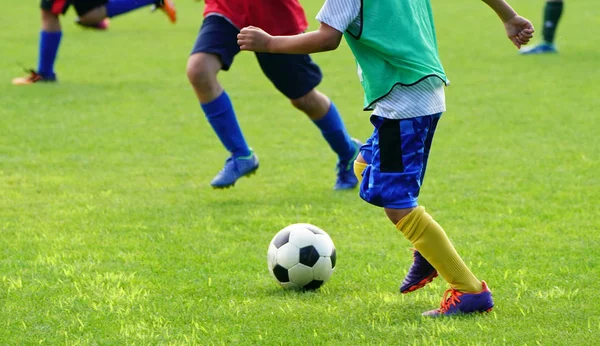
(295, 76)
(92, 13)
(552, 13)
(403, 79)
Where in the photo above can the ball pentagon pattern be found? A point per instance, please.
(301, 256)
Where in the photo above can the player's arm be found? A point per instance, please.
(518, 29)
(323, 39)
(502, 9)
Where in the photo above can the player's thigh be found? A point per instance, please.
(394, 176)
(84, 6)
(56, 7)
(294, 75)
(217, 36)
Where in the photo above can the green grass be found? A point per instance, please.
(111, 235)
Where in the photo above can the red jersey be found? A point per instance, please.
(277, 17)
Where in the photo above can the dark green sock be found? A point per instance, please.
(552, 13)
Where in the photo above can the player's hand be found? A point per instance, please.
(519, 30)
(254, 39)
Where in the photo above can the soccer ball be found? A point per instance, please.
(301, 256)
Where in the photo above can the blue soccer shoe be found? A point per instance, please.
(234, 169)
(346, 179)
(542, 48)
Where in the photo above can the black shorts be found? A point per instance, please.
(294, 75)
(61, 6)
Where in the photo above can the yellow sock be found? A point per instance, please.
(428, 237)
(359, 167)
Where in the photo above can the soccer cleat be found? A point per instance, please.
(234, 169)
(542, 48)
(168, 7)
(455, 302)
(419, 274)
(346, 179)
(32, 78)
(102, 25)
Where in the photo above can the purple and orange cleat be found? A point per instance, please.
(455, 302)
(419, 274)
(33, 77)
(168, 7)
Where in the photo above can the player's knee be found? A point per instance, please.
(395, 215)
(50, 21)
(93, 16)
(301, 103)
(314, 104)
(202, 71)
(86, 20)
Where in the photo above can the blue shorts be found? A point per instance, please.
(294, 75)
(396, 155)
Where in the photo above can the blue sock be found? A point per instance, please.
(49, 42)
(221, 117)
(332, 128)
(117, 7)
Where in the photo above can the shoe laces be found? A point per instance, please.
(230, 162)
(450, 299)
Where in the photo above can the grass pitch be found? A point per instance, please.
(111, 235)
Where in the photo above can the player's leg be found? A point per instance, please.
(296, 76)
(468, 294)
(322, 111)
(552, 14)
(94, 13)
(420, 272)
(394, 184)
(50, 37)
(215, 48)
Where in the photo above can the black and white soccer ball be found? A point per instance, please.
(301, 256)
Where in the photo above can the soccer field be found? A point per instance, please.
(110, 233)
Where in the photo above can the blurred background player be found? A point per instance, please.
(295, 76)
(403, 81)
(92, 13)
(552, 13)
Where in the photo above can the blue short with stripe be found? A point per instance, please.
(294, 75)
(396, 156)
